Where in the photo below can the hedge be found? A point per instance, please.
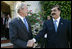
(64, 5)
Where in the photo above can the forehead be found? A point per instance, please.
(48, 16)
(24, 6)
(54, 8)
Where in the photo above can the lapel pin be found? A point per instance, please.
(61, 23)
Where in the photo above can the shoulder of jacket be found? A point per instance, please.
(14, 20)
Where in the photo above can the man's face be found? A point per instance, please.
(8, 16)
(3, 15)
(25, 10)
(48, 17)
(55, 12)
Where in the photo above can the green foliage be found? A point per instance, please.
(34, 18)
(64, 5)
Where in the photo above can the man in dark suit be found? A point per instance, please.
(3, 24)
(20, 29)
(58, 31)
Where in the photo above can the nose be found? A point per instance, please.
(27, 10)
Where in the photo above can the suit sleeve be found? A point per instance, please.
(14, 38)
(69, 32)
(42, 32)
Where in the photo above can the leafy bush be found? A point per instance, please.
(64, 5)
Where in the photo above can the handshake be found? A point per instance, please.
(30, 43)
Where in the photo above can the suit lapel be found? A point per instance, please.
(22, 24)
(52, 25)
(59, 26)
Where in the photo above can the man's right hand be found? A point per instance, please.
(30, 43)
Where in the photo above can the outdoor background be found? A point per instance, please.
(38, 11)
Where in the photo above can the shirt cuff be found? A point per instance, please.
(34, 39)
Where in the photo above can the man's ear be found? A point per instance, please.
(60, 11)
(20, 11)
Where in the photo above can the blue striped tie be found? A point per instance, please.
(55, 25)
(26, 24)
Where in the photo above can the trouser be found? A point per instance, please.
(3, 30)
(7, 33)
(43, 43)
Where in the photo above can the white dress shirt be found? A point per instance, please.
(58, 19)
(3, 20)
(22, 18)
(7, 23)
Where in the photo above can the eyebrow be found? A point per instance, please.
(53, 10)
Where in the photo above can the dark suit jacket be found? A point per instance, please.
(57, 39)
(19, 34)
(3, 26)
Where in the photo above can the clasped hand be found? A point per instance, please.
(30, 43)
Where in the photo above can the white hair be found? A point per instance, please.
(20, 6)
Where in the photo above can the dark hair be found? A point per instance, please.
(57, 7)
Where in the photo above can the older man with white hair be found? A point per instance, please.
(20, 29)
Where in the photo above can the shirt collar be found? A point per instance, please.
(56, 19)
(21, 17)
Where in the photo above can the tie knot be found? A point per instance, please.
(55, 21)
(25, 19)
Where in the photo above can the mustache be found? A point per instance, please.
(53, 14)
